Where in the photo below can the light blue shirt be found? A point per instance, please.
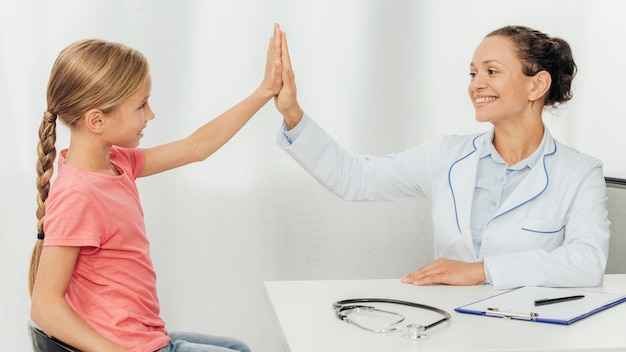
(495, 181)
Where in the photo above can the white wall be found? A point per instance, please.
(380, 75)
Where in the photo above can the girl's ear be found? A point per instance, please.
(94, 121)
(541, 85)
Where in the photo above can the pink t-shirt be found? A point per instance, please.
(113, 286)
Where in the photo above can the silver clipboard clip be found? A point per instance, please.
(495, 312)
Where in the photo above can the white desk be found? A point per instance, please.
(304, 313)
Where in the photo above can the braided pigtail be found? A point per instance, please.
(46, 153)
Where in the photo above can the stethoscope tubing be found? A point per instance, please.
(346, 304)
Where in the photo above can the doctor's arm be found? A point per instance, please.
(349, 176)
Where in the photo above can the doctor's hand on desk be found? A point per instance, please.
(449, 272)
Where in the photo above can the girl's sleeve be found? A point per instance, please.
(72, 219)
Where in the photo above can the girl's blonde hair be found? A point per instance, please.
(88, 74)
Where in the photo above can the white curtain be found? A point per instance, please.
(379, 75)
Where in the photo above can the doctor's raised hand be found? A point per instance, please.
(511, 206)
(286, 101)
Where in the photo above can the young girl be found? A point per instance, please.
(92, 281)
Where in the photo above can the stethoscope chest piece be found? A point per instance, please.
(415, 332)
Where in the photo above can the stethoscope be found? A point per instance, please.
(414, 331)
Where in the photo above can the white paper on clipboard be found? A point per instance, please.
(519, 304)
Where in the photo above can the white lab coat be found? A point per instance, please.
(553, 229)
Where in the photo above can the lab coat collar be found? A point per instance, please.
(462, 180)
(537, 180)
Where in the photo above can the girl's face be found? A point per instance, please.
(126, 123)
(498, 88)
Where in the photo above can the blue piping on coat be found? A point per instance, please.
(456, 213)
(544, 232)
(545, 170)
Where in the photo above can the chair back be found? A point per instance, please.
(616, 206)
(43, 342)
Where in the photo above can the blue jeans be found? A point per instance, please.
(192, 342)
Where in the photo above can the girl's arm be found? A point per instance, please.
(213, 135)
(51, 312)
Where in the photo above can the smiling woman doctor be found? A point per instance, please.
(511, 206)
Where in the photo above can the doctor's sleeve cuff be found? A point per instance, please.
(287, 137)
(487, 274)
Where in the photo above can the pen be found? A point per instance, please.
(543, 302)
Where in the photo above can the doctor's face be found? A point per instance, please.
(498, 88)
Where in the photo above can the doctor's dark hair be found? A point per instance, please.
(88, 74)
(540, 52)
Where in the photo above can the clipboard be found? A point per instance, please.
(519, 304)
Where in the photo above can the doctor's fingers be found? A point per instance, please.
(289, 79)
(284, 50)
(424, 279)
(425, 275)
(447, 271)
(274, 66)
(454, 272)
(286, 102)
